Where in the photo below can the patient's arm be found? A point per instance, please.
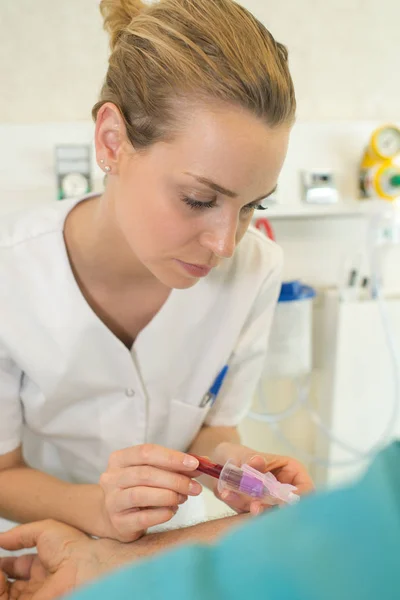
(157, 542)
(68, 558)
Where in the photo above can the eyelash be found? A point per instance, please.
(197, 205)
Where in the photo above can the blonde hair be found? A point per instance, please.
(190, 50)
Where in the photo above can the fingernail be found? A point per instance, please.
(191, 462)
(182, 499)
(256, 456)
(194, 488)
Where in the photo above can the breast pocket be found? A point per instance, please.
(184, 423)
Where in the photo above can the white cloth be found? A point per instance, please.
(72, 393)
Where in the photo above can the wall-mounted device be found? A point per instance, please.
(380, 165)
(73, 170)
(319, 187)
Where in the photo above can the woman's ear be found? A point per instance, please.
(110, 135)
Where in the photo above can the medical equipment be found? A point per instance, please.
(247, 481)
(73, 171)
(289, 351)
(382, 180)
(384, 232)
(289, 355)
(383, 155)
(384, 144)
(265, 226)
(380, 166)
(319, 187)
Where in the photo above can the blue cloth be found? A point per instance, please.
(343, 545)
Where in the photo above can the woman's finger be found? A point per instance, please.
(157, 478)
(141, 497)
(258, 463)
(286, 470)
(301, 479)
(295, 474)
(238, 503)
(151, 454)
(133, 522)
(257, 507)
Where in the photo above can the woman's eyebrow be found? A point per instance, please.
(221, 190)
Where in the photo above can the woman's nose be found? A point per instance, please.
(221, 239)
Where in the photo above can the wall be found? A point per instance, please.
(343, 55)
(52, 61)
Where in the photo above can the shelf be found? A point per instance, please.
(18, 199)
(339, 210)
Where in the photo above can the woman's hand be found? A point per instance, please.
(143, 487)
(285, 469)
(66, 558)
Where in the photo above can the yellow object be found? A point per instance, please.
(380, 166)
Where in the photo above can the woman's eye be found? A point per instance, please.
(197, 204)
(250, 207)
(201, 205)
(264, 204)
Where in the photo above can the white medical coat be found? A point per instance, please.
(72, 393)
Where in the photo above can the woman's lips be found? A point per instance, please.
(195, 270)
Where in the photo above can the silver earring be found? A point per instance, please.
(107, 169)
(102, 161)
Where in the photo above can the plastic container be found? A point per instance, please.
(290, 343)
(262, 486)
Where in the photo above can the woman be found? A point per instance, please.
(123, 309)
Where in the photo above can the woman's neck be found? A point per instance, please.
(97, 249)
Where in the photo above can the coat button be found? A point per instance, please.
(129, 392)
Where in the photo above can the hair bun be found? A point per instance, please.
(117, 15)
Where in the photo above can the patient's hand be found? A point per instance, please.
(4, 587)
(66, 559)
